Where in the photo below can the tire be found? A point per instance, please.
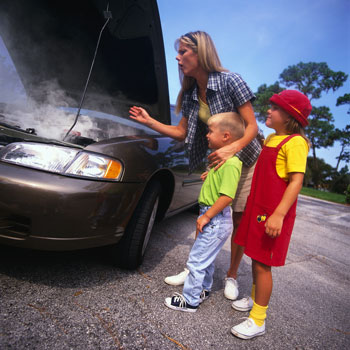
(131, 249)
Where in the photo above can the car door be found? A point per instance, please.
(187, 185)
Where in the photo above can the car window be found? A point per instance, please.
(175, 118)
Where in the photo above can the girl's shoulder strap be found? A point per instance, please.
(286, 140)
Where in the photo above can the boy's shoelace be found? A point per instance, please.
(179, 298)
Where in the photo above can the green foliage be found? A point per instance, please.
(344, 100)
(312, 78)
(343, 136)
(347, 195)
(318, 172)
(261, 103)
(341, 180)
(320, 132)
(324, 195)
(321, 175)
(320, 129)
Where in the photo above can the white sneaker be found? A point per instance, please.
(178, 279)
(248, 329)
(231, 288)
(244, 304)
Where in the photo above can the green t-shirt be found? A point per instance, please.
(223, 181)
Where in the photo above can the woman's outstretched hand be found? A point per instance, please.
(140, 115)
(220, 156)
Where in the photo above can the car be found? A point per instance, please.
(75, 170)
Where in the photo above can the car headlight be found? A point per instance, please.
(63, 160)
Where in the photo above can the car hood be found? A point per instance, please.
(46, 53)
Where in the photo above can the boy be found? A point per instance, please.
(214, 224)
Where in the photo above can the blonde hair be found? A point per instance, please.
(294, 127)
(202, 44)
(229, 121)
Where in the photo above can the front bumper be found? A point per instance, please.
(41, 210)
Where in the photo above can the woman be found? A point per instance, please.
(207, 89)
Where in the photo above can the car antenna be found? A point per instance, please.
(107, 15)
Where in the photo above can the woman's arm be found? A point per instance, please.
(177, 132)
(275, 221)
(251, 127)
(220, 156)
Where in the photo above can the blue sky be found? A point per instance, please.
(260, 38)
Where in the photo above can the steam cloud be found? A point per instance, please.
(54, 117)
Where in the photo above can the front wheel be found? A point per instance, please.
(131, 249)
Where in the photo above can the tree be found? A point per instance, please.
(342, 100)
(320, 130)
(343, 136)
(341, 180)
(261, 103)
(347, 194)
(312, 78)
(323, 174)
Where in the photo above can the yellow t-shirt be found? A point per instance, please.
(204, 112)
(292, 156)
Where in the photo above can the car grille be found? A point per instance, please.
(14, 225)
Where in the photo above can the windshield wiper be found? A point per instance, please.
(107, 15)
(17, 127)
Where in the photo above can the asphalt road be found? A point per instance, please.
(77, 300)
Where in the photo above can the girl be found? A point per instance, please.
(268, 219)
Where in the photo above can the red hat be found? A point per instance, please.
(294, 103)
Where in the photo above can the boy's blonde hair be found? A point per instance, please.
(229, 121)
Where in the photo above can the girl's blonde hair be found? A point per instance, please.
(202, 44)
(294, 127)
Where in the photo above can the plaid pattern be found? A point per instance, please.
(225, 92)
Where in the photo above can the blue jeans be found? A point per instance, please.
(201, 261)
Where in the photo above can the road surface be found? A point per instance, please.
(77, 300)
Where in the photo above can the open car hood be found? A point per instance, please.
(50, 45)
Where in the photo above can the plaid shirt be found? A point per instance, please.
(225, 92)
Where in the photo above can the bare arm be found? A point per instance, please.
(221, 203)
(251, 127)
(177, 132)
(275, 221)
(220, 156)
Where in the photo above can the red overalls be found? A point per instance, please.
(265, 194)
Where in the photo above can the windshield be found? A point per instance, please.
(46, 51)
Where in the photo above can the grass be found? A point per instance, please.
(327, 196)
